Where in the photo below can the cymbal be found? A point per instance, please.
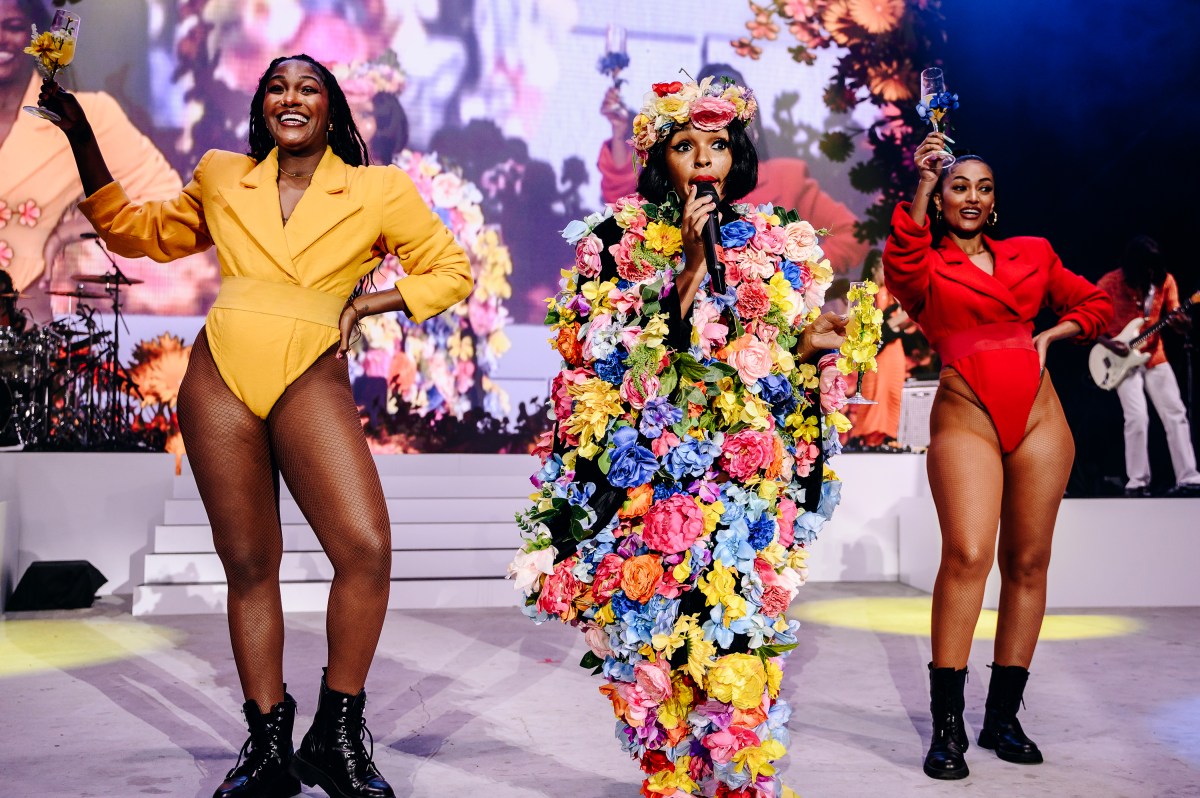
(80, 293)
(106, 279)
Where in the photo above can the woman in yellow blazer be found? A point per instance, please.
(297, 224)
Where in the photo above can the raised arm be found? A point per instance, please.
(907, 252)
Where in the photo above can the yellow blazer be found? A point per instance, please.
(283, 287)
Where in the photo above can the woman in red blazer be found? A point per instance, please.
(1000, 450)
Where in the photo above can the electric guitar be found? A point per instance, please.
(1108, 368)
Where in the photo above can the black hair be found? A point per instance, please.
(936, 225)
(724, 72)
(391, 127)
(37, 12)
(654, 182)
(1142, 265)
(8, 305)
(344, 139)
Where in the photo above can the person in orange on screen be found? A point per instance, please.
(782, 181)
(1143, 288)
(1000, 450)
(38, 182)
(878, 425)
(298, 224)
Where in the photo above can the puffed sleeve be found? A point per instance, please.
(135, 162)
(907, 257)
(437, 269)
(617, 178)
(1075, 299)
(159, 229)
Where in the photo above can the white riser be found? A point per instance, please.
(313, 596)
(299, 537)
(499, 510)
(454, 465)
(314, 566)
(414, 486)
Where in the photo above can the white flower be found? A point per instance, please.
(528, 566)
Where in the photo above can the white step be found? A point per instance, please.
(193, 599)
(429, 511)
(464, 465)
(194, 568)
(186, 538)
(406, 486)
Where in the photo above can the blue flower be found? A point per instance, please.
(632, 465)
(611, 369)
(662, 491)
(622, 604)
(549, 471)
(762, 532)
(690, 458)
(736, 234)
(575, 231)
(778, 392)
(612, 62)
(657, 415)
(792, 272)
(733, 547)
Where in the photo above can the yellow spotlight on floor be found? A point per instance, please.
(910, 616)
(40, 645)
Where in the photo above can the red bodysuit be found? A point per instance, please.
(982, 324)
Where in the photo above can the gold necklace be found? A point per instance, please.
(293, 174)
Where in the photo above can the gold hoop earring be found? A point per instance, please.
(993, 217)
(330, 127)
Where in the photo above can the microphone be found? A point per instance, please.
(716, 270)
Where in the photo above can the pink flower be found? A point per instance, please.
(712, 113)
(587, 255)
(833, 388)
(6, 254)
(637, 270)
(753, 300)
(673, 525)
(664, 443)
(607, 578)
(563, 402)
(5, 213)
(29, 213)
(724, 744)
(799, 9)
(482, 315)
(597, 640)
(706, 319)
(787, 519)
(746, 452)
(626, 301)
(806, 455)
(560, 590)
(756, 263)
(654, 679)
(775, 600)
(543, 446)
(637, 391)
(772, 240)
(751, 357)
(801, 238)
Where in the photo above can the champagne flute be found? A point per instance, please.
(856, 332)
(615, 57)
(935, 101)
(54, 50)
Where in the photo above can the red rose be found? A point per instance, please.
(663, 89)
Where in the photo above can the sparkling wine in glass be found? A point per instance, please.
(54, 50)
(855, 331)
(933, 98)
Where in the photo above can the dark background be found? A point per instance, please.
(1087, 112)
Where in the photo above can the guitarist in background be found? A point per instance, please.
(1142, 288)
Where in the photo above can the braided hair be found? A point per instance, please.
(344, 139)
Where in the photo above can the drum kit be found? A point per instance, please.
(62, 386)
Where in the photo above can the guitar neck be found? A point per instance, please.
(1141, 339)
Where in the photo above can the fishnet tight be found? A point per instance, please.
(975, 488)
(312, 436)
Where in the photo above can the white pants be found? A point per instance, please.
(1160, 383)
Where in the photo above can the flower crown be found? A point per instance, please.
(706, 105)
(382, 74)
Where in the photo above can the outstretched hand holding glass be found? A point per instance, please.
(54, 49)
(935, 103)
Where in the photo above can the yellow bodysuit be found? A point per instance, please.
(283, 287)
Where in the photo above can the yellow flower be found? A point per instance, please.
(596, 293)
(712, 515)
(700, 651)
(717, 583)
(774, 677)
(605, 615)
(838, 421)
(461, 347)
(664, 238)
(47, 48)
(737, 679)
(684, 569)
(756, 413)
(798, 558)
(667, 782)
(757, 758)
(629, 213)
(808, 376)
(804, 427)
(654, 332)
(668, 643)
(674, 711)
(727, 403)
(735, 607)
(774, 554)
(768, 490)
(821, 272)
(498, 342)
(596, 402)
(673, 107)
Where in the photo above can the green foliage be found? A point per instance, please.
(836, 145)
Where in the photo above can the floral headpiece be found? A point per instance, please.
(707, 105)
(382, 74)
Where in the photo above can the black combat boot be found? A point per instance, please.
(945, 758)
(332, 754)
(263, 766)
(1001, 729)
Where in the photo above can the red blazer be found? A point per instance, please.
(982, 324)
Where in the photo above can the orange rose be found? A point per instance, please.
(776, 467)
(640, 576)
(638, 502)
(569, 346)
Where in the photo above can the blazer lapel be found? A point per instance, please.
(326, 204)
(1010, 269)
(255, 204)
(959, 268)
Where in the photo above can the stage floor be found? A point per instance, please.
(483, 702)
